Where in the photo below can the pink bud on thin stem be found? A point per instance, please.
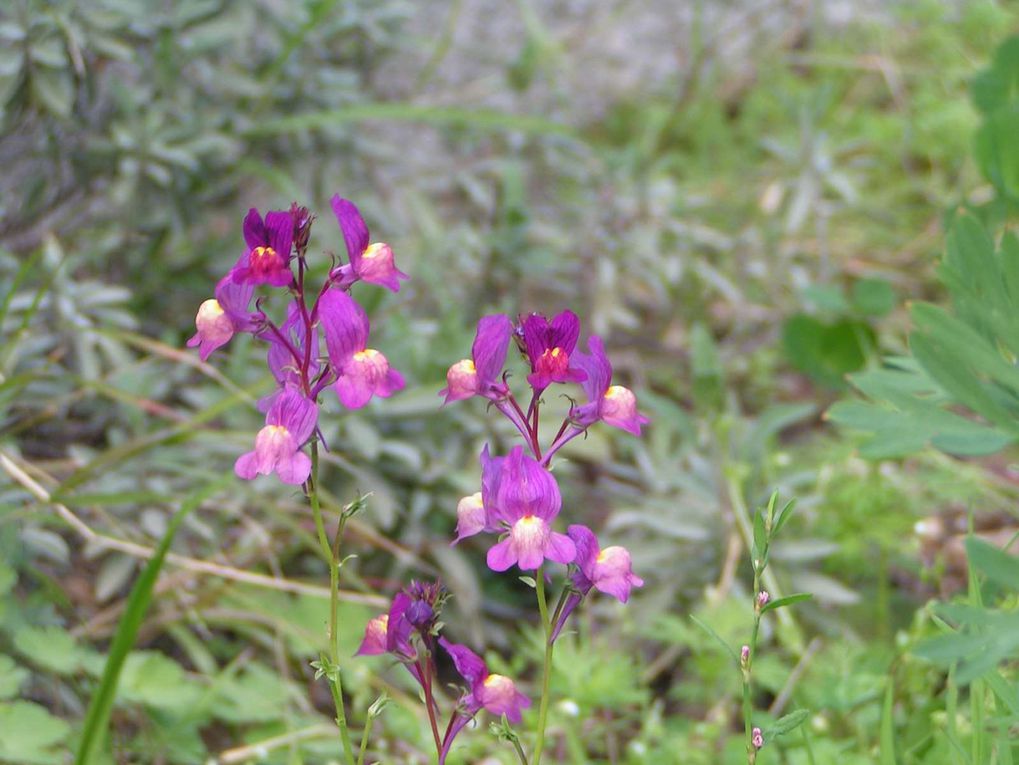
(757, 738)
(744, 656)
(762, 599)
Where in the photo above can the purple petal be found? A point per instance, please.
(246, 466)
(499, 695)
(597, 367)
(353, 227)
(293, 411)
(471, 517)
(586, 544)
(374, 642)
(294, 469)
(254, 230)
(536, 337)
(501, 556)
(564, 331)
(345, 325)
(490, 345)
(235, 300)
(354, 391)
(560, 549)
(613, 573)
(279, 226)
(467, 663)
(526, 488)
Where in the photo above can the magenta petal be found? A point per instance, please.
(564, 331)
(470, 666)
(353, 227)
(526, 488)
(501, 556)
(390, 384)
(491, 343)
(294, 412)
(279, 229)
(246, 466)
(254, 229)
(353, 391)
(561, 548)
(294, 469)
(536, 331)
(345, 325)
(587, 549)
(597, 367)
(374, 642)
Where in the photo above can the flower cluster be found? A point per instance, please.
(410, 633)
(275, 255)
(519, 497)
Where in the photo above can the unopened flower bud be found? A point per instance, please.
(744, 656)
(762, 599)
(302, 219)
(757, 738)
(461, 380)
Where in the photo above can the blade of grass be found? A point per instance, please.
(98, 716)
(888, 725)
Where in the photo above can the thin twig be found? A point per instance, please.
(260, 748)
(105, 542)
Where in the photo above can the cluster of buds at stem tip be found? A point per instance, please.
(762, 600)
(410, 633)
(756, 738)
(275, 255)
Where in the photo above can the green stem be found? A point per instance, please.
(547, 668)
(748, 707)
(364, 739)
(331, 555)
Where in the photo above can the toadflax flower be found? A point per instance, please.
(608, 570)
(288, 424)
(267, 259)
(479, 375)
(390, 632)
(361, 372)
(494, 693)
(472, 516)
(526, 501)
(612, 404)
(372, 263)
(549, 346)
(221, 317)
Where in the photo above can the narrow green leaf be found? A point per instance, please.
(783, 516)
(888, 726)
(717, 637)
(98, 715)
(998, 566)
(788, 600)
(786, 723)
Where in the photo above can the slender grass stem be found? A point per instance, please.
(546, 680)
(331, 555)
(748, 706)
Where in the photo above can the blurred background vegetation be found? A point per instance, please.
(739, 196)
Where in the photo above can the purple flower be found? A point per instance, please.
(390, 633)
(372, 263)
(221, 317)
(361, 372)
(479, 375)
(494, 693)
(612, 404)
(267, 259)
(609, 571)
(289, 423)
(526, 500)
(549, 347)
(472, 516)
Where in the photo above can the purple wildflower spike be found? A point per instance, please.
(549, 347)
(361, 372)
(289, 423)
(527, 501)
(267, 259)
(612, 404)
(480, 374)
(372, 263)
(220, 318)
(494, 693)
(609, 571)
